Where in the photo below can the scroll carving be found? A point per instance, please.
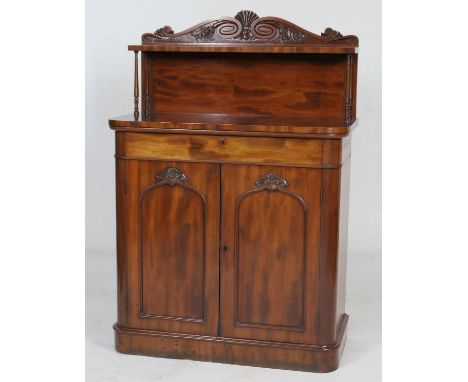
(171, 176)
(204, 33)
(331, 34)
(247, 26)
(286, 34)
(272, 182)
(164, 32)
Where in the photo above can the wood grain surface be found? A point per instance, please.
(269, 281)
(299, 152)
(320, 359)
(172, 247)
(231, 124)
(256, 84)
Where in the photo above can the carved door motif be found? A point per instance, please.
(270, 246)
(174, 255)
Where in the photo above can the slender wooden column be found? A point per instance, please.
(147, 97)
(136, 112)
(349, 87)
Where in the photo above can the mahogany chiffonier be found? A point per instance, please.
(232, 179)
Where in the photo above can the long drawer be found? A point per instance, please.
(229, 149)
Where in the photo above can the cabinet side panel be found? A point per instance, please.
(129, 271)
(329, 220)
(121, 242)
(343, 240)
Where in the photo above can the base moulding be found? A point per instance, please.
(278, 355)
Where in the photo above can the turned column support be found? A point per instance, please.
(136, 90)
(349, 91)
(146, 85)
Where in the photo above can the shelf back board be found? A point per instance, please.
(255, 84)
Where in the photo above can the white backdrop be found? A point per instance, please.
(113, 24)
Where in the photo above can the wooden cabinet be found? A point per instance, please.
(232, 192)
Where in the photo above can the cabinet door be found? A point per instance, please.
(270, 231)
(173, 248)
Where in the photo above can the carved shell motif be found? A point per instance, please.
(272, 182)
(246, 19)
(171, 176)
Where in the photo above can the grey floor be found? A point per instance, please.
(361, 360)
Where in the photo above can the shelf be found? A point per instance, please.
(228, 124)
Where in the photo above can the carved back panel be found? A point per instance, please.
(248, 27)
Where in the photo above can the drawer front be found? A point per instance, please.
(219, 149)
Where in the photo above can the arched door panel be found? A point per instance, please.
(173, 250)
(270, 235)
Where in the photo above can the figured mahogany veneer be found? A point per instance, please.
(232, 179)
(243, 85)
(229, 124)
(216, 149)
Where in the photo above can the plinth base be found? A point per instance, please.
(277, 355)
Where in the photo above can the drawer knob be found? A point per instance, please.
(221, 141)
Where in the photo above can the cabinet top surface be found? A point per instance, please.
(211, 123)
(248, 33)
